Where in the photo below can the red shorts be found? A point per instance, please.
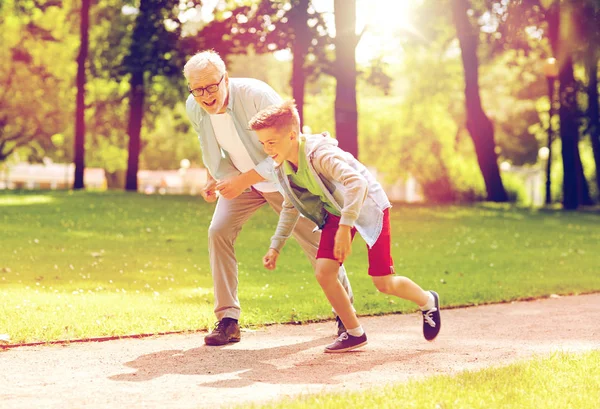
(380, 257)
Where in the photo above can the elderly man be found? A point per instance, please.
(219, 109)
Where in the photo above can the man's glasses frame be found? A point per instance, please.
(211, 89)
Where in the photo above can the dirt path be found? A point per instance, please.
(178, 371)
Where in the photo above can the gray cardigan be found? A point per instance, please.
(347, 183)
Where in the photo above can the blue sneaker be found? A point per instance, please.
(432, 321)
(346, 342)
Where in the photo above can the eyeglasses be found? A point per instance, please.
(211, 89)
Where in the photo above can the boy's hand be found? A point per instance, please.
(270, 259)
(209, 192)
(232, 187)
(343, 243)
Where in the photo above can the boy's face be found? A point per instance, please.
(279, 144)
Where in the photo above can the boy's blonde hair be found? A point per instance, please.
(282, 116)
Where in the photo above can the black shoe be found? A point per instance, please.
(432, 321)
(227, 330)
(346, 342)
(340, 326)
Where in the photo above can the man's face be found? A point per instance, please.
(215, 103)
(278, 143)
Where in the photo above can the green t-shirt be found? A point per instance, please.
(302, 177)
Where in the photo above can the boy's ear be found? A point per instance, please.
(293, 135)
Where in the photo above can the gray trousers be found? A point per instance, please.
(227, 222)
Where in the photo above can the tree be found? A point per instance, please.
(594, 112)
(346, 40)
(33, 95)
(80, 104)
(478, 124)
(302, 37)
(152, 52)
(560, 31)
(158, 50)
(560, 22)
(591, 17)
(281, 25)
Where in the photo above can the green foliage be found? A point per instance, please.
(165, 134)
(35, 83)
(510, 90)
(170, 140)
(154, 47)
(401, 137)
(275, 25)
(417, 130)
(106, 121)
(515, 188)
(264, 67)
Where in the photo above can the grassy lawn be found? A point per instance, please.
(82, 264)
(575, 383)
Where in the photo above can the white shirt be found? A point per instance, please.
(229, 140)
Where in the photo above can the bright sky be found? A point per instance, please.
(383, 19)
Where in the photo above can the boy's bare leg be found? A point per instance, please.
(402, 287)
(326, 272)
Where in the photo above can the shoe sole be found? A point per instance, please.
(337, 351)
(216, 344)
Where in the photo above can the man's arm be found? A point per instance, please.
(191, 114)
(233, 187)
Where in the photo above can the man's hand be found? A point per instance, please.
(209, 192)
(343, 243)
(233, 187)
(270, 259)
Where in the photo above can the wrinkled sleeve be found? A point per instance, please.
(332, 165)
(189, 108)
(287, 221)
(265, 168)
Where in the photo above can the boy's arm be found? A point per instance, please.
(331, 163)
(287, 221)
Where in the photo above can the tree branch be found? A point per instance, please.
(359, 37)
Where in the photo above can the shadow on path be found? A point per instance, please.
(260, 365)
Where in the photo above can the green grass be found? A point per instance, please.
(83, 264)
(574, 383)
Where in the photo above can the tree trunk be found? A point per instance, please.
(346, 112)
(299, 51)
(583, 190)
(478, 124)
(136, 113)
(79, 148)
(569, 134)
(575, 188)
(594, 109)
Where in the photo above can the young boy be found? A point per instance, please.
(334, 190)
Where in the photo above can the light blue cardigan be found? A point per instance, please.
(246, 97)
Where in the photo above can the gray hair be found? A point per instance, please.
(202, 60)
